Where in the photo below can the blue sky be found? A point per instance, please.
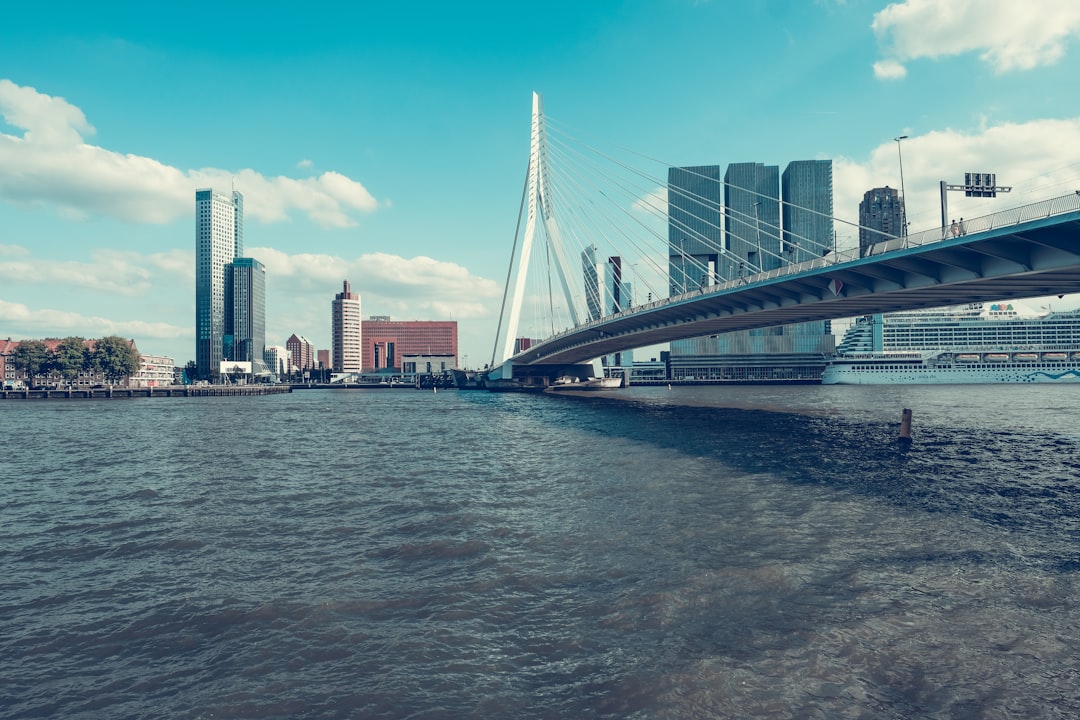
(386, 143)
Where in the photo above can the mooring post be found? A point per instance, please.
(905, 425)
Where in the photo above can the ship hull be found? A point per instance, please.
(915, 375)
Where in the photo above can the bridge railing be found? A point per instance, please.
(1002, 218)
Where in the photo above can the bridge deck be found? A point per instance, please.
(1003, 256)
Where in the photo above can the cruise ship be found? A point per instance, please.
(977, 343)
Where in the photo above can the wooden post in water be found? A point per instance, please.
(905, 426)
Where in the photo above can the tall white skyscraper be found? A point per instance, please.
(219, 239)
(346, 331)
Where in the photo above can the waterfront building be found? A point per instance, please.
(245, 313)
(387, 341)
(346, 331)
(881, 216)
(752, 217)
(806, 189)
(606, 294)
(427, 364)
(694, 227)
(277, 362)
(323, 359)
(12, 377)
(301, 353)
(758, 236)
(219, 239)
(8, 373)
(592, 271)
(154, 371)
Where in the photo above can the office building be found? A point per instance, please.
(219, 239)
(806, 188)
(694, 227)
(881, 217)
(606, 294)
(346, 331)
(752, 218)
(245, 313)
(387, 342)
(759, 236)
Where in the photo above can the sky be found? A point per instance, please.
(386, 143)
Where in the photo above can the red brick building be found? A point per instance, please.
(387, 341)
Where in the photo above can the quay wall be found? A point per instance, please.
(145, 392)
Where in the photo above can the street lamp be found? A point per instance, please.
(903, 211)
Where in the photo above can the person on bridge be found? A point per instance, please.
(962, 230)
(954, 229)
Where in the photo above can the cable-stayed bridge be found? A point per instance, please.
(744, 271)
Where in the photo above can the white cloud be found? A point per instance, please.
(58, 323)
(418, 287)
(1009, 35)
(110, 272)
(51, 164)
(889, 70)
(1025, 156)
(13, 250)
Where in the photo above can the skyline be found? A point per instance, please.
(386, 146)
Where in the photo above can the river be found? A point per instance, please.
(749, 552)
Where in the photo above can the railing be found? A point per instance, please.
(1002, 218)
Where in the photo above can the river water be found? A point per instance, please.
(745, 552)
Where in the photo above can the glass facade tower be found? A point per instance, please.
(219, 239)
(752, 218)
(807, 190)
(245, 313)
(694, 227)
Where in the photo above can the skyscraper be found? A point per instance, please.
(807, 191)
(592, 271)
(694, 236)
(245, 313)
(219, 239)
(754, 240)
(881, 216)
(346, 331)
(752, 217)
(619, 294)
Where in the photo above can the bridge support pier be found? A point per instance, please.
(509, 377)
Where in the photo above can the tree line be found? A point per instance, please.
(113, 357)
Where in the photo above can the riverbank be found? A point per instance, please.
(109, 393)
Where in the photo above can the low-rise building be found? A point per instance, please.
(154, 371)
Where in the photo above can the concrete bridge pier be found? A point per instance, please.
(509, 377)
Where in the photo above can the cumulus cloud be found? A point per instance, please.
(1025, 156)
(388, 284)
(51, 163)
(109, 271)
(889, 70)
(1008, 35)
(27, 322)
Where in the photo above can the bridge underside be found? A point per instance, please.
(1034, 259)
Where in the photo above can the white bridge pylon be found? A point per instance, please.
(539, 199)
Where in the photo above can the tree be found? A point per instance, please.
(71, 358)
(33, 358)
(115, 357)
(190, 372)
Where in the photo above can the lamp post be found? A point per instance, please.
(903, 211)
